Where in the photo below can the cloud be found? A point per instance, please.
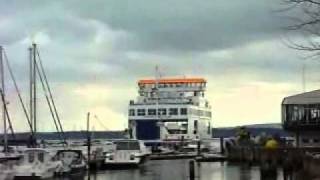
(188, 25)
(95, 52)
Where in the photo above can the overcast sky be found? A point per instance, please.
(94, 52)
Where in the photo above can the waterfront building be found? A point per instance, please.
(170, 109)
(301, 116)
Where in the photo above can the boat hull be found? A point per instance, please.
(124, 165)
(75, 171)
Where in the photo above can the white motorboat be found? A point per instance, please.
(8, 164)
(128, 153)
(37, 163)
(73, 162)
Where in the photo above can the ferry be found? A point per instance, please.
(170, 109)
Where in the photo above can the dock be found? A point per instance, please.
(199, 158)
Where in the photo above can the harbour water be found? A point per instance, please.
(178, 170)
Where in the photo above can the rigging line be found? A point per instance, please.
(7, 113)
(101, 124)
(50, 94)
(48, 101)
(18, 92)
(6, 110)
(10, 123)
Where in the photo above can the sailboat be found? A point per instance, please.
(37, 163)
(8, 159)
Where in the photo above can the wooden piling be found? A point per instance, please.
(88, 137)
(191, 170)
(198, 147)
(221, 145)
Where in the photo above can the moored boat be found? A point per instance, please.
(128, 153)
(36, 163)
(73, 162)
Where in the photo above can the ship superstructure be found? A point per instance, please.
(170, 109)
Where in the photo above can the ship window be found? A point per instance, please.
(207, 113)
(41, 157)
(173, 111)
(195, 125)
(31, 157)
(127, 145)
(152, 112)
(183, 111)
(141, 112)
(162, 111)
(131, 112)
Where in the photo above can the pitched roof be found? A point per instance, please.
(312, 97)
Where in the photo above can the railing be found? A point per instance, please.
(258, 154)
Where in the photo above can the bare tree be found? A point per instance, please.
(305, 16)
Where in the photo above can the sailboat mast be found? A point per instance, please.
(4, 117)
(34, 88)
(31, 88)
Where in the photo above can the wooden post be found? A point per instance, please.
(298, 139)
(221, 145)
(88, 137)
(191, 170)
(198, 147)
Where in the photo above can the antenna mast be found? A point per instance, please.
(303, 76)
(158, 76)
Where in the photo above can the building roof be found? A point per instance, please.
(172, 80)
(312, 97)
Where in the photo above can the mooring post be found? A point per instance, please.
(198, 147)
(221, 145)
(88, 137)
(191, 170)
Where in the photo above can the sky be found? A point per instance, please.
(94, 52)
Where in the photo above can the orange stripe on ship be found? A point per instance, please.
(172, 81)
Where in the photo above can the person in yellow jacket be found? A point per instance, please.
(271, 144)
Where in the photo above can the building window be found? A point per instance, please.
(141, 112)
(305, 140)
(152, 112)
(173, 111)
(162, 111)
(131, 112)
(183, 111)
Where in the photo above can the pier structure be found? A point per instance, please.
(301, 117)
(170, 109)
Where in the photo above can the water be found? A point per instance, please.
(178, 170)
